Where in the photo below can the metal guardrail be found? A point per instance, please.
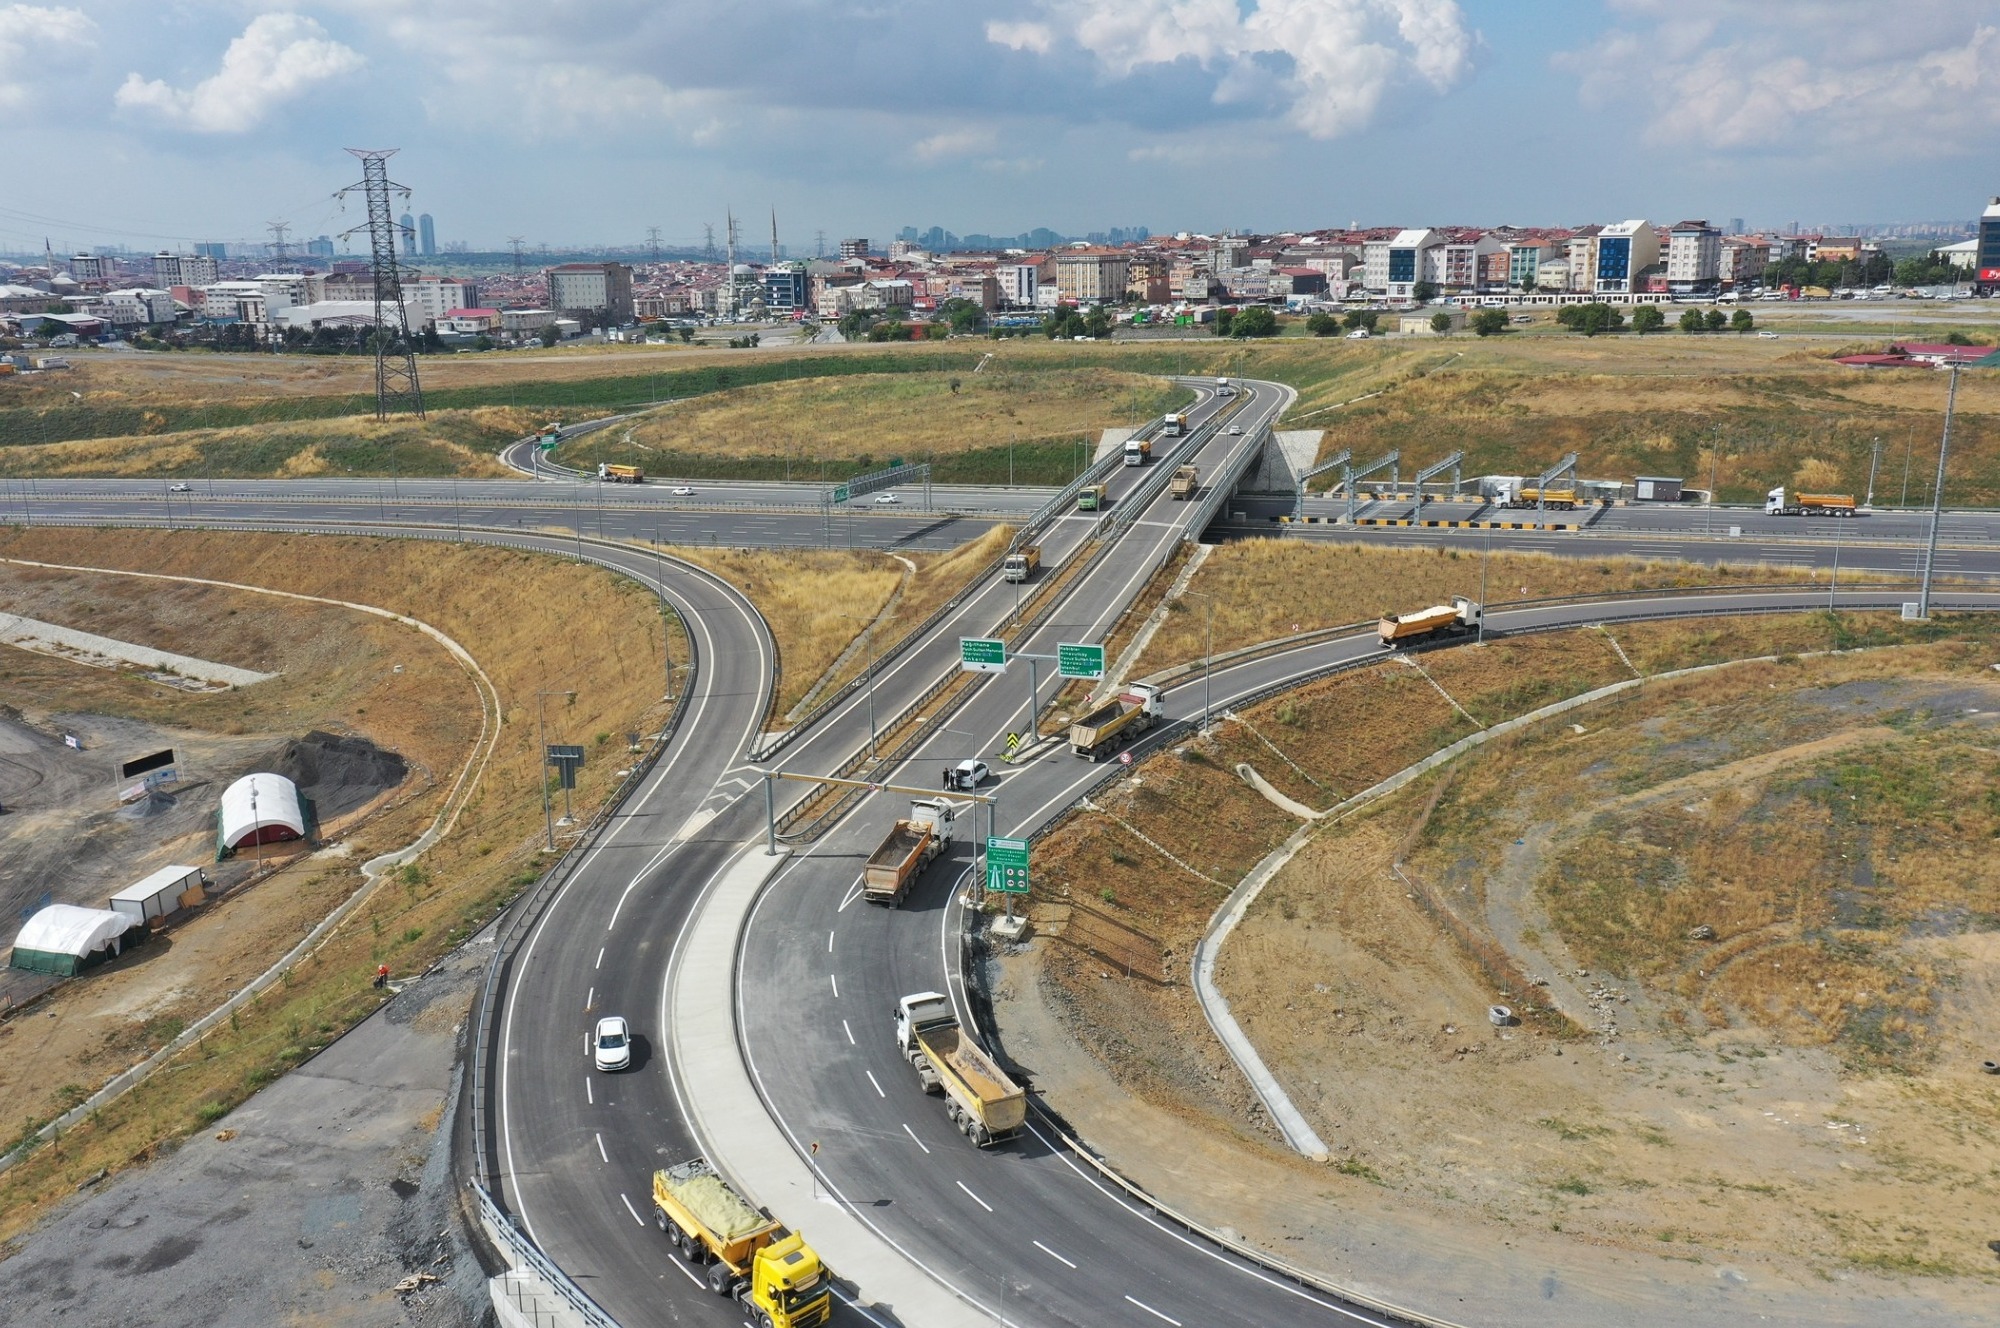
(521, 1253)
(1226, 479)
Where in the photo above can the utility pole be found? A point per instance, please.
(1937, 498)
(1874, 464)
(396, 385)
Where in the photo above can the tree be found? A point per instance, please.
(1715, 320)
(856, 322)
(1358, 319)
(1224, 318)
(1097, 324)
(1591, 319)
(1424, 291)
(966, 317)
(1440, 323)
(550, 336)
(1742, 320)
(1256, 321)
(1063, 322)
(1323, 324)
(1933, 269)
(687, 336)
(1489, 322)
(1692, 321)
(1647, 318)
(482, 342)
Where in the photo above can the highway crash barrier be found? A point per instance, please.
(1436, 525)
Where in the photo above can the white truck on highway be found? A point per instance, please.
(1397, 630)
(1778, 503)
(910, 846)
(1120, 719)
(982, 1101)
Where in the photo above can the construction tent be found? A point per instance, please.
(165, 891)
(261, 809)
(64, 939)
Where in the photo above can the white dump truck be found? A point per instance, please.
(909, 847)
(981, 1100)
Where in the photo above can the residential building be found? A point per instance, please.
(1740, 262)
(135, 307)
(408, 226)
(1552, 274)
(982, 288)
(320, 246)
(1092, 276)
(212, 249)
(234, 302)
(183, 269)
(1844, 249)
(1694, 258)
(431, 298)
(93, 269)
(669, 304)
(1986, 263)
(1455, 265)
(282, 290)
(1190, 280)
(904, 251)
(1018, 283)
(1226, 252)
(1248, 283)
(854, 248)
(522, 322)
(600, 288)
(1149, 279)
(468, 322)
(1525, 259)
(1582, 259)
(1624, 252)
(427, 243)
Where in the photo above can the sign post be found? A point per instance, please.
(1006, 869)
(565, 758)
(979, 654)
(1080, 661)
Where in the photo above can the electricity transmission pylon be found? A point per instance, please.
(396, 386)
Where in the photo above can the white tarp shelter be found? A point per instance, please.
(157, 895)
(63, 938)
(261, 808)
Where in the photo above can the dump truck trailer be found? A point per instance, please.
(1779, 503)
(1186, 480)
(1527, 495)
(909, 847)
(1118, 720)
(1173, 426)
(1021, 563)
(620, 474)
(981, 1100)
(1397, 630)
(1138, 451)
(1090, 498)
(749, 1256)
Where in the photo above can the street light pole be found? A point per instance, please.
(1937, 498)
(542, 731)
(1485, 562)
(1207, 654)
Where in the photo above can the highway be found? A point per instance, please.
(1021, 1231)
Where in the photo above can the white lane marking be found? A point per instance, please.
(834, 978)
(850, 1032)
(600, 1150)
(852, 895)
(829, 942)
(878, 1087)
(642, 1221)
(976, 1199)
(920, 1143)
(600, 958)
(1155, 1313)
(590, 999)
(588, 1095)
(1053, 1255)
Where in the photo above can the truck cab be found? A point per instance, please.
(1021, 564)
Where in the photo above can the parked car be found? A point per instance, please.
(966, 775)
(611, 1044)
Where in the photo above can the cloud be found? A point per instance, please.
(32, 37)
(279, 58)
(1324, 67)
(1813, 78)
(954, 143)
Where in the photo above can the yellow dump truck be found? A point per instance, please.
(749, 1255)
(909, 847)
(619, 474)
(1021, 563)
(1090, 498)
(1186, 480)
(1397, 630)
(1779, 503)
(1121, 719)
(981, 1100)
(1527, 495)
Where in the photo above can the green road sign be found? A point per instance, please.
(840, 493)
(1080, 661)
(1007, 866)
(979, 654)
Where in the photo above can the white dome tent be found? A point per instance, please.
(64, 939)
(261, 808)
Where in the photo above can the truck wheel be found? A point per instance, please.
(659, 1217)
(691, 1249)
(720, 1280)
(764, 1320)
(981, 1135)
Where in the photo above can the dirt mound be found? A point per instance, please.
(339, 774)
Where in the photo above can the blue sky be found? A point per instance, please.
(148, 122)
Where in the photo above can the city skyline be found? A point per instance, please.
(1074, 115)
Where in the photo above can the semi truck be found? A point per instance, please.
(1779, 503)
(1223, 388)
(909, 847)
(620, 474)
(1119, 719)
(749, 1255)
(1527, 495)
(1186, 480)
(1173, 426)
(1090, 498)
(1021, 563)
(1397, 630)
(980, 1099)
(1138, 451)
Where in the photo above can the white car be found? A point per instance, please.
(1236, 428)
(966, 775)
(683, 491)
(611, 1044)
(1358, 334)
(180, 488)
(1771, 335)
(887, 499)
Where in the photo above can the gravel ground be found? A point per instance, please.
(306, 1206)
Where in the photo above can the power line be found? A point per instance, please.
(515, 242)
(396, 385)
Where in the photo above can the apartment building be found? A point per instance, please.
(1582, 259)
(1092, 276)
(1739, 262)
(1149, 279)
(1018, 283)
(1624, 252)
(430, 298)
(854, 248)
(182, 269)
(1694, 258)
(602, 288)
(1395, 266)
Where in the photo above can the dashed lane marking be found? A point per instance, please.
(600, 1150)
(834, 978)
(920, 1143)
(850, 1032)
(975, 1198)
(1052, 1254)
(878, 1087)
(1155, 1313)
(642, 1222)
